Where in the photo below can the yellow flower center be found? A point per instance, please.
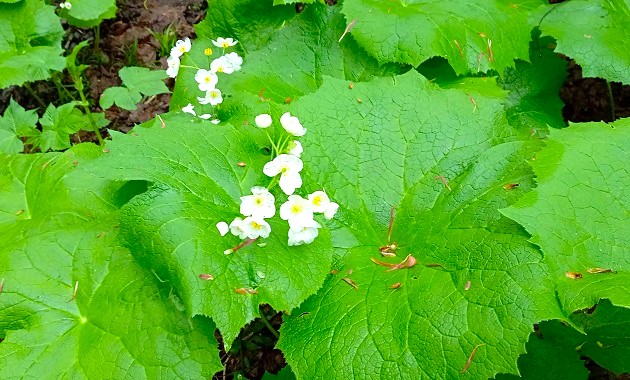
(208, 51)
(256, 226)
(296, 209)
(208, 79)
(220, 69)
(317, 200)
(258, 201)
(225, 45)
(182, 49)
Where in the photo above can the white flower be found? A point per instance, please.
(237, 228)
(234, 60)
(292, 125)
(221, 65)
(181, 47)
(260, 204)
(205, 116)
(223, 228)
(224, 42)
(289, 167)
(173, 66)
(207, 79)
(305, 234)
(263, 120)
(331, 210)
(256, 227)
(215, 121)
(295, 148)
(189, 109)
(212, 96)
(66, 4)
(297, 211)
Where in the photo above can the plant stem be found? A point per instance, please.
(86, 107)
(269, 327)
(611, 101)
(97, 36)
(34, 94)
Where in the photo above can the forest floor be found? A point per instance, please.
(128, 40)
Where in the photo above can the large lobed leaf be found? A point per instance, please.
(474, 35)
(89, 13)
(171, 229)
(478, 286)
(578, 214)
(30, 42)
(593, 33)
(286, 57)
(58, 237)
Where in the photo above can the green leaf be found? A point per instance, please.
(413, 31)
(534, 100)
(171, 229)
(58, 123)
(292, 63)
(146, 81)
(89, 13)
(58, 239)
(15, 123)
(138, 82)
(552, 354)
(121, 96)
(593, 40)
(578, 214)
(393, 149)
(243, 22)
(608, 330)
(30, 42)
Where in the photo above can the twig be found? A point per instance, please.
(470, 358)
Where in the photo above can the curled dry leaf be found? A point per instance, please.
(599, 270)
(206, 276)
(246, 291)
(573, 275)
(351, 283)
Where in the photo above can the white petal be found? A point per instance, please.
(223, 228)
(319, 201)
(290, 181)
(271, 169)
(295, 148)
(331, 210)
(205, 116)
(263, 120)
(189, 109)
(292, 125)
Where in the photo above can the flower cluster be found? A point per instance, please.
(207, 79)
(285, 170)
(65, 5)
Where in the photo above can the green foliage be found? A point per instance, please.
(88, 13)
(501, 216)
(30, 42)
(311, 37)
(171, 228)
(137, 82)
(596, 44)
(74, 303)
(474, 36)
(14, 124)
(389, 151)
(578, 212)
(166, 38)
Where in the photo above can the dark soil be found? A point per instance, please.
(127, 41)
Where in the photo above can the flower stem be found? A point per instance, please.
(266, 323)
(86, 107)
